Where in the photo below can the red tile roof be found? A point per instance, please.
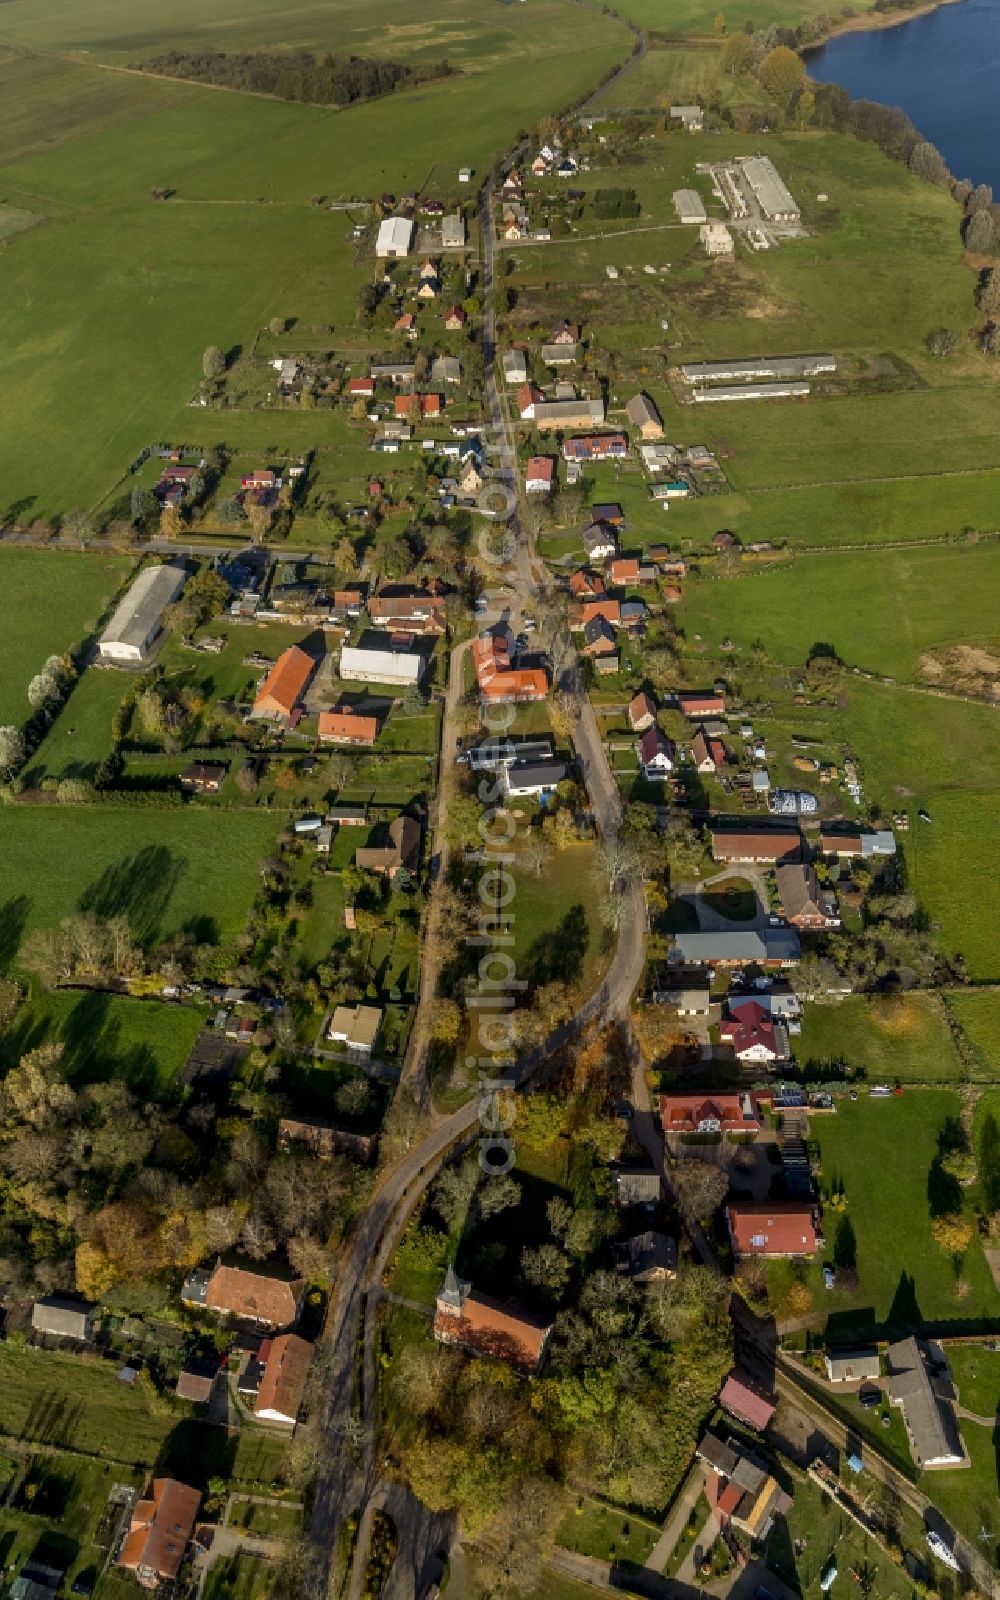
(701, 704)
(256, 1295)
(742, 1401)
(685, 1113)
(162, 1524)
(348, 727)
(285, 1373)
(584, 582)
(285, 682)
(506, 1331)
(750, 1029)
(773, 1230)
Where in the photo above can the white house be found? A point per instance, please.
(656, 754)
(538, 475)
(599, 542)
(515, 366)
(395, 238)
(533, 778)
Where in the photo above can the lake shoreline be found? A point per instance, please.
(874, 22)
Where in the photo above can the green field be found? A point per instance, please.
(166, 870)
(882, 1153)
(907, 1038)
(979, 1017)
(51, 601)
(106, 1036)
(839, 599)
(976, 1372)
(688, 76)
(80, 737)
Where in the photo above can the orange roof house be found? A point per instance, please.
(283, 1383)
(160, 1530)
(781, 1228)
(252, 1294)
(485, 1327)
(499, 682)
(345, 726)
(281, 690)
(610, 610)
(586, 583)
(418, 405)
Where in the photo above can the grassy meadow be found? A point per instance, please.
(145, 1042)
(906, 1038)
(51, 601)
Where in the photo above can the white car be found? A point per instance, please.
(936, 1544)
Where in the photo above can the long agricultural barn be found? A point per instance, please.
(770, 192)
(752, 391)
(138, 617)
(754, 368)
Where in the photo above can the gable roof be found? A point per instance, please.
(348, 725)
(162, 1524)
(737, 1111)
(491, 1328)
(61, 1316)
(286, 680)
(641, 706)
(773, 1230)
(745, 1402)
(254, 1293)
(285, 1372)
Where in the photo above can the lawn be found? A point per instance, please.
(49, 602)
(905, 1038)
(557, 928)
(882, 1153)
(146, 1042)
(66, 1495)
(165, 870)
(80, 737)
(976, 1371)
(978, 1015)
(596, 1530)
(239, 1577)
(820, 1530)
(839, 599)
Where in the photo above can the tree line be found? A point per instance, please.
(314, 80)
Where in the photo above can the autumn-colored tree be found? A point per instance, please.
(738, 54)
(952, 1232)
(782, 72)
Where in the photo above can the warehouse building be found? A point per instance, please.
(753, 391)
(769, 191)
(138, 619)
(365, 664)
(754, 369)
(395, 238)
(689, 206)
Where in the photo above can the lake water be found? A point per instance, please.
(942, 69)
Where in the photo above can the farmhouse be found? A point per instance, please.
(647, 1258)
(403, 605)
(203, 777)
(924, 1398)
(691, 118)
(138, 617)
(768, 189)
(286, 1364)
(716, 238)
(583, 413)
(733, 842)
(641, 712)
(485, 1327)
(851, 842)
(711, 1113)
(63, 1318)
(282, 689)
(773, 1229)
(743, 1492)
(762, 947)
(539, 474)
(754, 1036)
(397, 664)
(596, 447)
(346, 726)
(644, 416)
(656, 754)
(248, 1292)
(531, 779)
(756, 369)
(159, 1532)
(499, 682)
(401, 854)
(689, 206)
(394, 238)
(803, 903)
(599, 542)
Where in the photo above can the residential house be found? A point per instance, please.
(250, 1293)
(744, 1400)
(470, 480)
(608, 511)
(762, 947)
(453, 231)
(741, 1490)
(397, 373)
(560, 355)
(406, 324)
(494, 753)
(605, 666)
(515, 367)
(626, 570)
(577, 413)
(283, 1381)
(396, 662)
(609, 609)
(428, 288)
(401, 854)
(774, 1228)
(643, 415)
(637, 1186)
(596, 447)
(565, 333)
(447, 370)
(539, 475)
(689, 1001)
(599, 542)
(925, 1397)
(418, 407)
(598, 638)
(528, 397)
(455, 319)
(278, 697)
(407, 607)
(355, 1026)
(63, 1318)
(500, 682)
(160, 1531)
(733, 842)
(737, 1111)
(394, 238)
(486, 1327)
(656, 754)
(346, 726)
(361, 388)
(203, 777)
(691, 118)
(429, 270)
(532, 779)
(804, 904)
(701, 703)
(648, 1257)
(196, 1380)
(348, 815)
(633, 617)
(583, 584)
(853, 1366)
(324, 1140)
(754, 1035)
(708, 753)
(641, 712)
(848, 842)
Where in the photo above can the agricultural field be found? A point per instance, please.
(145, 1042)
(839, 599)
(904, 1037)
(687, 74)
(882, 1154)
(978, 1015)
(165, 870)
(51, 602)
(80, 737)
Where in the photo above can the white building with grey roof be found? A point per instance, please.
(138, 618)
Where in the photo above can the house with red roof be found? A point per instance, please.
(735, 1112)
(584, 583)
(539, 475)
(754, 1035)
(278, 696)
(499, 682)
(701, 703)
(609, 610)
(528, 396)
(708, 753)
(776, 1228)
(641, 712)
(365, 387)
(455, 319)
(746, 1402)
